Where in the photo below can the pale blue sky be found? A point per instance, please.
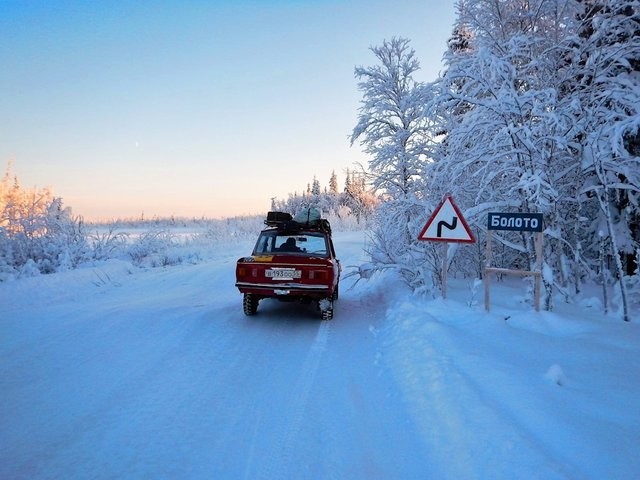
(192, 107)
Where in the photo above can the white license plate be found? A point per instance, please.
(283, 273)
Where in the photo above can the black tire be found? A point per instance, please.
(327, 311)
(250, 304)
(327, 314)
(336, 292)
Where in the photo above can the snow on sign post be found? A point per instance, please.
(446, 224)
(519, 222)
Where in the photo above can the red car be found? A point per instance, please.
(293, 260)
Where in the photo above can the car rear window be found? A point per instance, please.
(305, 244)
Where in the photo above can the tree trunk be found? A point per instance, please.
(613, 245)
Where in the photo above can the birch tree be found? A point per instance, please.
(392, 130)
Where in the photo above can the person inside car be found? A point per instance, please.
(290, 246)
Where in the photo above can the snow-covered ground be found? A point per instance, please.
(114, 371)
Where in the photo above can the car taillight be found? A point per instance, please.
(319, 275)
(245, 272)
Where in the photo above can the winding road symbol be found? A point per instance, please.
(450, 226)
(443, 225)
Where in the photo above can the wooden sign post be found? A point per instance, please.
(521, 222)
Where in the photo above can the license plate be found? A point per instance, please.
(283, 273)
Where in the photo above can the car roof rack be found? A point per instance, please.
(284, 222)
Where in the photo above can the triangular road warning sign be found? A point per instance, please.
(447, 224)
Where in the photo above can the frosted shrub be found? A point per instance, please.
(107, 244)
(235, 227)
(37, 235)
(393, 247)
(29, 269)
(151, 249)
(7, 267)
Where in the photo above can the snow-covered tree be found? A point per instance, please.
(536, 111)
(498, 110)
(333, 183)
(315, 188)
(606, 95)
(392, 129)
(360, 200)
(36, 233)
(357, 200)
(391, 124)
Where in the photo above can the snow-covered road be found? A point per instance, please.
(158, 374)
(115, 372)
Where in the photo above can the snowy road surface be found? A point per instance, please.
(114, 372)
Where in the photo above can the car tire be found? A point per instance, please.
(326, 308)
(250, 304)
(327, 314)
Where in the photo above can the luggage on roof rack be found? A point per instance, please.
(276, 217)
(280, 220)
(306, 218)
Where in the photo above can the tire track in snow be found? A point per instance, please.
(280, 454)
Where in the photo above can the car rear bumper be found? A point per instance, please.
(284, 289)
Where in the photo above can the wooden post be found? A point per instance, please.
(487, 275)
(444, 269)
(538, 277)
(527, 222)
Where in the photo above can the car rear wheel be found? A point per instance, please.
(250, 304)
(326, 308)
